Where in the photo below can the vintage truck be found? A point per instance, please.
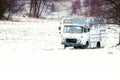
(83, 32)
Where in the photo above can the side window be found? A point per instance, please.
(88, 29)
(85, 30)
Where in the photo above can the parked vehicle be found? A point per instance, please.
(83, 32)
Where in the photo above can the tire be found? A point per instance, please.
(98, 45)
(75, 47)
(87, 44)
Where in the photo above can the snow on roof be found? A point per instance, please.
(79, 21)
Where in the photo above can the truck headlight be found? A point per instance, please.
(78, 41)
(63, 41)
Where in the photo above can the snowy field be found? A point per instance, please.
(32, 51)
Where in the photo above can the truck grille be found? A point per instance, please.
(71, 40)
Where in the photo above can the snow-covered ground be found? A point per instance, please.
(32, 51)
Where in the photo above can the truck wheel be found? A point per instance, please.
(87, 44)
(98, 45)
(75, 47)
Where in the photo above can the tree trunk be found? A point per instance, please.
(30, 8)
(119, 39)
(38, 8)
(42, 8)
(8, 17)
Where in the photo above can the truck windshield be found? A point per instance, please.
(73, 29)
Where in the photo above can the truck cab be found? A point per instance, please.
(75, 35)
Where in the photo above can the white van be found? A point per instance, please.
(82, 33)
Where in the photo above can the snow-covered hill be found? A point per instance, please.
(34, 47)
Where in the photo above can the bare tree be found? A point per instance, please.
(13, 7)
(75, 5)
(37, 7)
(2, 8)
(52, 8)
(10, 7)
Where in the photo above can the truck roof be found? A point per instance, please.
(79, 20)
(72, 25)
(82, 21)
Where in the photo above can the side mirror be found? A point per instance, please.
(85, 30)
(59, 28)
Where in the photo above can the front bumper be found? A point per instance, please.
(71, 42)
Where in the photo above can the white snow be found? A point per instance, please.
(31, 50)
